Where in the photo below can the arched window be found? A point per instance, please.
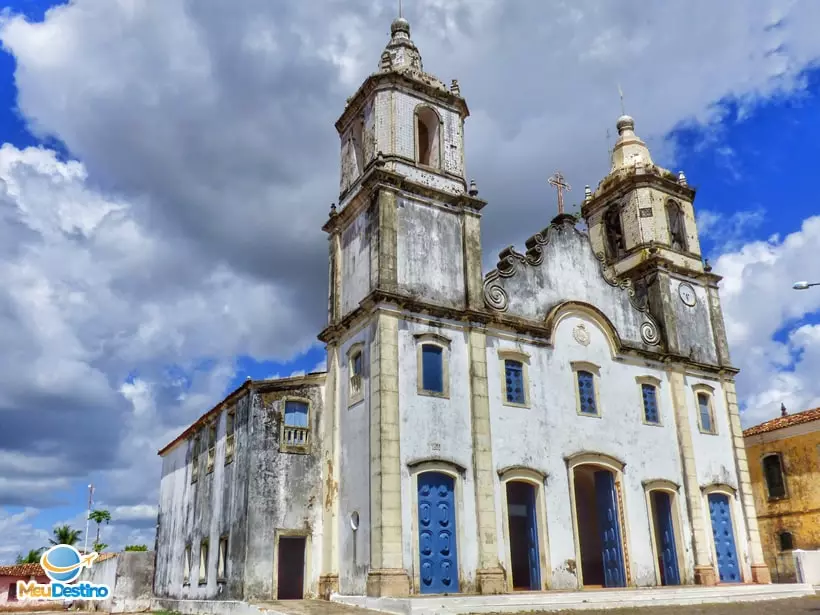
(427, 137)
(357, 138)
(677, 229)
(614, 232)
(786, 541)
(773, 473)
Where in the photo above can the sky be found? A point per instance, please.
(166, 168)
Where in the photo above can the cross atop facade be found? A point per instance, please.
(560, 184)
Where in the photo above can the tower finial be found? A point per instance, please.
(400, 15)
(621, 94)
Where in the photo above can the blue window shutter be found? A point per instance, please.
(650, 403)
(705, 414)
(514, 377)
(432, 370)
(296, 414)
(586, 392)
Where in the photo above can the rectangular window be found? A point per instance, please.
(650, 404)
(773, 473)
(586, 393)
(356, 364)
(203, 562)
(705, 409)
(514, 379)
(223, 557)
(211, 446)
(186, 566)
(296, 414)
(432, 368)
(12, 595)
(195, 460)
(230, 425)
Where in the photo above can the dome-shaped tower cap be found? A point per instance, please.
(400, 24)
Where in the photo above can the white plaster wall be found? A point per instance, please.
(542, 436)
(354, 470)
(355, 263)
(383, 120)
(437, 428)
(695, 335)
(172, 531)
(429, 253)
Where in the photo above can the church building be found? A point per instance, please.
(567, 420)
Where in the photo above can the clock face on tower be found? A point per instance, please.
(687, 294)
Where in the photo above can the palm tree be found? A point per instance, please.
(64, 535)
(98, 516)
(32, 557)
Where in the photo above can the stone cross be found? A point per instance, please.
(560, 184)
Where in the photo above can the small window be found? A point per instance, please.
(230, 426)
(223, 557)
(649, 393)
(12, 595)
(432, 368)
(186, 566)
(295, 435)
(514, 381)
(427, 137)
(195, 460)
(677, 229)
(356, 369)
(211, 445)
(614, 232)
(586, 393)
(773, 473)
(786, 541)
(203, 562)
(707, 421)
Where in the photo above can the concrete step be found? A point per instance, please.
(311, 607)
(572, 600)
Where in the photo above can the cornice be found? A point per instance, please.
(376, 177)
(618, 185)
(406, 80)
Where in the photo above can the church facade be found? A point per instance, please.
(566, 420)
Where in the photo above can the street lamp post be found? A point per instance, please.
(804, 285)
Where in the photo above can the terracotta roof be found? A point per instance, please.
(783, 421)
(22, 570)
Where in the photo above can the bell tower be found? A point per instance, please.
(641, 221)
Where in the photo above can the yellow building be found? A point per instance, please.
(784, 463)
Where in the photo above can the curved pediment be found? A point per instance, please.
(560, 267)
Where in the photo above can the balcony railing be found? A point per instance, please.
(295, 438)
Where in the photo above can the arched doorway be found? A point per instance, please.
(438, 552)
(522, 523)
(598, 526)
(662, 508)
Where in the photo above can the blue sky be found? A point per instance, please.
(189, 158)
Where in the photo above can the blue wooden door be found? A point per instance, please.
(438, 565)
(611, 550)
(724, 535)
(670, 575)
(532, 546)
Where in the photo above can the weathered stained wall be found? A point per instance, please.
(437, 428)
(354, 470)
(130, 576)
(568, 270)
(542, 436)
(285, 489)
(355, 272)
(692, 323)
(799, 512)
(435, 233)
(213, 506)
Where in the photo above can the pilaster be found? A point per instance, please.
(718, 325)
(387, 576)
(473, 276)
(490, 576)
(334, 277)
(329, 579)
(383, 241)
(661, 307)
(760, 571)
(704, 570)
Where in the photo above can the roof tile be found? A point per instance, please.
(783, 421)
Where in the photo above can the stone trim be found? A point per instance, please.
(734, 505)
(329, 579)
(760, 571)
(595, 370)
(704, 571)
(705, 389)
(524, 359)
(655, 382)
(306, 573)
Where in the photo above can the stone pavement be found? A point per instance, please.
(799, 606)
(312, 607)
